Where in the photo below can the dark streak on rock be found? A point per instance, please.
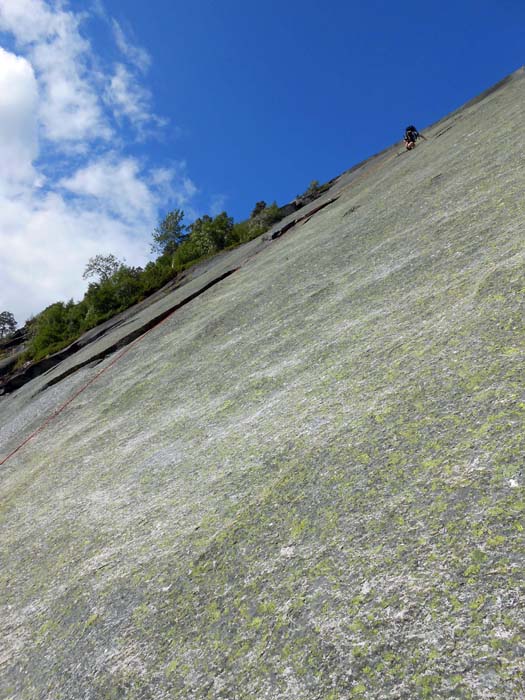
(302, 219)
(444, 131)
(48, 363)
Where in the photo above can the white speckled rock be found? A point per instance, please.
(308, 481)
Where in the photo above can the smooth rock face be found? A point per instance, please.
(307, 482)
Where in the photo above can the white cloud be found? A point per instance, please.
(55, 102)
(70, 109)
(18, 123)
(174, 184)
(117, 187)
(128, 98)
(28, 20)
(47, 242)
(70, 77)
(138, 56)
(109, 206)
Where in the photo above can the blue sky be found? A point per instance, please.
(270, 95)
(114, 112)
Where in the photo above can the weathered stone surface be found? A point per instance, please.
(14, 340)
(6, 364)
(307, 482)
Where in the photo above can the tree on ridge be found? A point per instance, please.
(7, 324)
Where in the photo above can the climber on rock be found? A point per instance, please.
(411, 136)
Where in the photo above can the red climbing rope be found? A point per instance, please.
(59, 410)
(110, 364)
(77, 393)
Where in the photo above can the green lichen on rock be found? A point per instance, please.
(308, 482)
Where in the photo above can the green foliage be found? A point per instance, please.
(60, 324)
(201, 236)
(206, 237)
(256, 225)
(186, 254)
(54, 328)
(241, 233)
(219, 230)
(210, 235)
(244, 231)
(119, 286)
(313, 191)
(7, 323)
(169, 234)
(109, 296)
(101, 266)
(127, 286)
(156, 274)
(270, 215)
(258, 208)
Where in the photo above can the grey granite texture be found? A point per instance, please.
(308, 482)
